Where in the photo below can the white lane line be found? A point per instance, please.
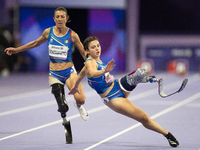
(25, 95)
(91, 93)
(184, 102)
(48, 91)
(40, 105)
(52, 123)
(37, 128)
(29, 94)
(153, 91)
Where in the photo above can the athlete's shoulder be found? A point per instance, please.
(75, 36)
(47, 30)
(89, 59)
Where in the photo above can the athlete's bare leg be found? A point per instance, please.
(80, 98)
(127, 108)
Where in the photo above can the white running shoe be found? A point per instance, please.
(83, 113)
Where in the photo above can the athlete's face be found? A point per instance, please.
(60, 18)
(94, 49)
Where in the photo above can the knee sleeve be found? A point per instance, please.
(59, 93)
(129, 82)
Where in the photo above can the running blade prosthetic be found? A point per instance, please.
(68, 132)
(153, 79)
(160, 88)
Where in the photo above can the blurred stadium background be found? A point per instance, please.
(159, 35)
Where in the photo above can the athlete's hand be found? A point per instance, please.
(110, 65)
(10, 51)
(73, 91)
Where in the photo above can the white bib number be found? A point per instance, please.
(59, 52)
(108, 77)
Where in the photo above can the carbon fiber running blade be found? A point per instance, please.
(68, 132)
(160, 88)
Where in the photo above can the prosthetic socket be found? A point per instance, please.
(59, 93)
(129, 82)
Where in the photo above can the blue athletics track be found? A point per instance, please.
(29, 119)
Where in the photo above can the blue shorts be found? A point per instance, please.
(62, 75)
(114, 93)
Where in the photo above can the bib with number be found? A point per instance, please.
(60, 47)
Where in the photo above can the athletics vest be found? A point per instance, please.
(102, 83)
(60, 47)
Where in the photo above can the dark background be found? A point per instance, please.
(169, 16)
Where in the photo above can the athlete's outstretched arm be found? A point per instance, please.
(80, 77)
(30, 45)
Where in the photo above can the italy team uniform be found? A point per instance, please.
(60, 51)
(102, 84)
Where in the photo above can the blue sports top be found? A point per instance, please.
(60, 47)
(102, 83)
